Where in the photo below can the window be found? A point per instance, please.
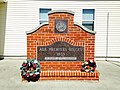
(88, 17)
(43, 14)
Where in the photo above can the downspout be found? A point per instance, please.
(107, 36)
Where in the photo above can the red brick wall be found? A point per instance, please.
(76, 36)
(63, 65)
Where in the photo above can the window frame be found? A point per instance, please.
(94, 21)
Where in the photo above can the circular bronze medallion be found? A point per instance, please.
(61, 26)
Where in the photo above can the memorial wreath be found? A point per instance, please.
(88, 66)
(30, 68)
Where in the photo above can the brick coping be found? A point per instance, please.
(61, 11)
(46, 23)
(84, 28)
(33, 30)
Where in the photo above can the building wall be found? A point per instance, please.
(3, 9)
(23, 16)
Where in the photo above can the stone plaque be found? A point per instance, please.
(60, 51)
(61, 26)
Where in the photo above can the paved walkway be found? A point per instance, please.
(10, 78)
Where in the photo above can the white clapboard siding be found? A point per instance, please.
(114, 34)
(20, 18)
(24, 15)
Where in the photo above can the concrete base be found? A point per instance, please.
(10, 78)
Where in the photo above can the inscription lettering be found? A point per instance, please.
(60, 51)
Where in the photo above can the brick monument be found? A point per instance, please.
(61, 46)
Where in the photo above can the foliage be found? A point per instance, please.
(88, 66)
(30, 69)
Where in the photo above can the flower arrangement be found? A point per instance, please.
(30, 68)
(88, 66)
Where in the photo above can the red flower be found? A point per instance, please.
(34, 75)
(23, 64)
(27, 75)
(34, 65)
(94, 68)
(82, 69)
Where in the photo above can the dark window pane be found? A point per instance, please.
(44, 10)
(88, 24)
